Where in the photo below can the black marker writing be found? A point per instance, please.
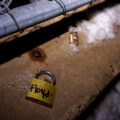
(38, 90)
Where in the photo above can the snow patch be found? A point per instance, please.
(101, 25)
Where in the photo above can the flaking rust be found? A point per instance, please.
(37, 55)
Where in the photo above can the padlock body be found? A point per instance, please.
(42, 91)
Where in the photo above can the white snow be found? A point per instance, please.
(101, 25)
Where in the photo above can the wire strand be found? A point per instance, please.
(4, 8)
(62, 5)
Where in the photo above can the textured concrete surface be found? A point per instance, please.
(80, 76)
(106, 106)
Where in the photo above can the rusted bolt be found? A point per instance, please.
(37, 54)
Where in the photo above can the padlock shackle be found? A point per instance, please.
(48, 73)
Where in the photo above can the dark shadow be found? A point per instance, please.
(17, 3)
(98, 100)
(38, 102)
(21, 45)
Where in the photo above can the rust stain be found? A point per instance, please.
(37, 54)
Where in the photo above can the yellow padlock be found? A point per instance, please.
(42, 91)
